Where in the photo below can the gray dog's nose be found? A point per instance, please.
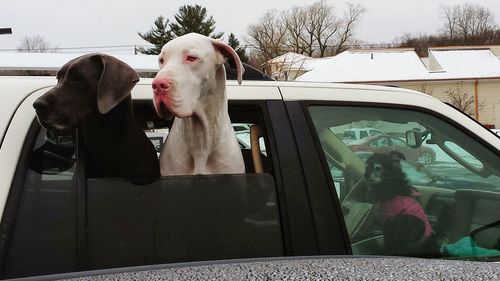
(40, 105)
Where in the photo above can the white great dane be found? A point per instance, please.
(191, 85)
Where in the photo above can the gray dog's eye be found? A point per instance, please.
(75, 76)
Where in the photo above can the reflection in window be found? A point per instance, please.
(463, 154)
(44, 237)
(445, 173)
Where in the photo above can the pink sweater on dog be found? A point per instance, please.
(404, 205)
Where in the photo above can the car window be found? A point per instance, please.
(66, 222)
(375, 133)
(242, 131)
(349, 135)
(379, 142)
(44, 239)
(417, 200)
(398, 142)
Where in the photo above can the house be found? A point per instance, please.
(291, 65)
(47, 64)
(467, 77)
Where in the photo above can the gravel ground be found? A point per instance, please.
(320, 268)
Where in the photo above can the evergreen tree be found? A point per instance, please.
(194, 19)
(159, 35)
(235, 44)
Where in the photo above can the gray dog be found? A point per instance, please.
(93, 94)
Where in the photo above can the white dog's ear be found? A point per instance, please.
(226, 50)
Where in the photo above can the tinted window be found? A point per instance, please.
(184, 218)
(116, 223)
(44, 237)
(423, 200)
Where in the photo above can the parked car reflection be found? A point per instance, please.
(386, 144)
(421, 175)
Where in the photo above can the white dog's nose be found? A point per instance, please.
(161, 84)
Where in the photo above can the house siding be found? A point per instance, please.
(488, 95)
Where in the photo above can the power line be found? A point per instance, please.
(133, 48)
(110, 47)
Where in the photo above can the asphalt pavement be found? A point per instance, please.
(317, 268)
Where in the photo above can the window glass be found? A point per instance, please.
(398, 142)
(175, 219)
(375, 132)
(186, 218)
(417, 190)
(44, 236)
(463, 154)
(242, 131)
(180, 219)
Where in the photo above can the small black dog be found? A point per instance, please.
(405, 224)
(387, 179)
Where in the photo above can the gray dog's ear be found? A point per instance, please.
(116, 82)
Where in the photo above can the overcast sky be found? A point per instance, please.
(67, 23)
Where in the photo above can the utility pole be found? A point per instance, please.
(5, 30)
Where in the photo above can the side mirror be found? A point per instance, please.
(414, 139)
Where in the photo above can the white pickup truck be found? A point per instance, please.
(303, 194)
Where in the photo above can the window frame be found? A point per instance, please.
(305, 104)
(281, 148)
(328, 218)
(8, 223)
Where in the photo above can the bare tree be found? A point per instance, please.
(314, 30)
(462, 99)
(449, 14)
(468, 22)
(426, 89)
(295, 21)
(323, 25)
(288, 69)
(329, 33)
(346, 33)
(35, 44)
(268, 36)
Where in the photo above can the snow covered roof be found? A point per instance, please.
(313, 63)
(288, 57)
(361, 66)
(404, 65)
(54, 61)
(480, 63)
(296, 61)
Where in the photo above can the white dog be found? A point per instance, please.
(191, 85)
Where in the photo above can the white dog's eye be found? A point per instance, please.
(161, 60)
(191, 58)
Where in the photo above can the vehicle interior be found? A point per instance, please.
(73, 222)
(459, 199)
